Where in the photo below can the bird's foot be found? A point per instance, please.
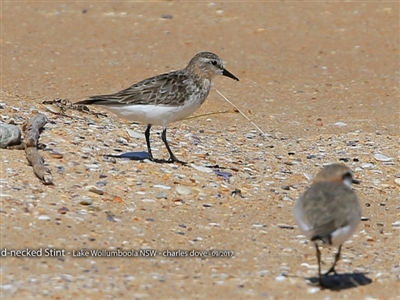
(331, 270)
(173, 159)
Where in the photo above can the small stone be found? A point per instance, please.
(92, 166)
(183, 190)
(161, 186)
(237, 192)
(397, 181)
(44, 218)
(134, 134)
(9, 135)
(285, 226)
(96, 190)
(167, 16)
(280, 278)
(161, 195)
(214, 224)
(258, 225)
(367, 166)
(262, 273)
(396, 224)
(55, 154)
(63, 210)
(146, 200)
(313, 290)
(308, 176)
(118, 199)
(340, 124)
(381, 157)
(86, 201)
(202, 169)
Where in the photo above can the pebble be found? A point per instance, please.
(92, 166)
(202, 169)
(223, 174)
(161, 186)
(55, 154)
(161, 195)
(313, 290)
(396, 224)
(86, 201)
(262, 273)
(397, 181)
(146, 200)
(308, 176)
(63, 210)
(250, 135)
(167, 16)
(214, 224)
(9, 135)
(183, 190)
(134, 134)
(285, 226)
(280, 278)
(96, 190)
(5, 196)
(367, 166)
(44, 218)
(258, 225)
(381, 157)
(340, 124)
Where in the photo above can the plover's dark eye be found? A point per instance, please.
(214, 62)
(347, 175)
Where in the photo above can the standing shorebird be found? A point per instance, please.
(166, 98)
(329, 210)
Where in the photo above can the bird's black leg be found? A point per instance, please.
(321, 283)
(147, 135)
(172, 157)
(337, 257)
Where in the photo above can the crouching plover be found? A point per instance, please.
(165, 98)
(329, 210)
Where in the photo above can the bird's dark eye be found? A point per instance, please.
(214, 62)
(347, 175)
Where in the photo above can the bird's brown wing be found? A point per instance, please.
(166, 89)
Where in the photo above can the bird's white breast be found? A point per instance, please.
(157, 114)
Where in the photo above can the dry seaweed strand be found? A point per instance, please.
(31, 136)
(242, 113)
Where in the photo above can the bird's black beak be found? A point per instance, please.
(229, 74)
(355, 181)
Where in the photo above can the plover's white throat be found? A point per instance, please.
(329, 211)
(165, 98)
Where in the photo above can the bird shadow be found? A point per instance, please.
(141, 156)
(131, 155)
(339, 282)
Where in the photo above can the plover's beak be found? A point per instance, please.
(229, 74)
(355, 181)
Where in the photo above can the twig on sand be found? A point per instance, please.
(31, 136)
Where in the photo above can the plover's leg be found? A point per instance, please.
(337, 257)
(321, 283)
(147, 135)
(172, 157)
